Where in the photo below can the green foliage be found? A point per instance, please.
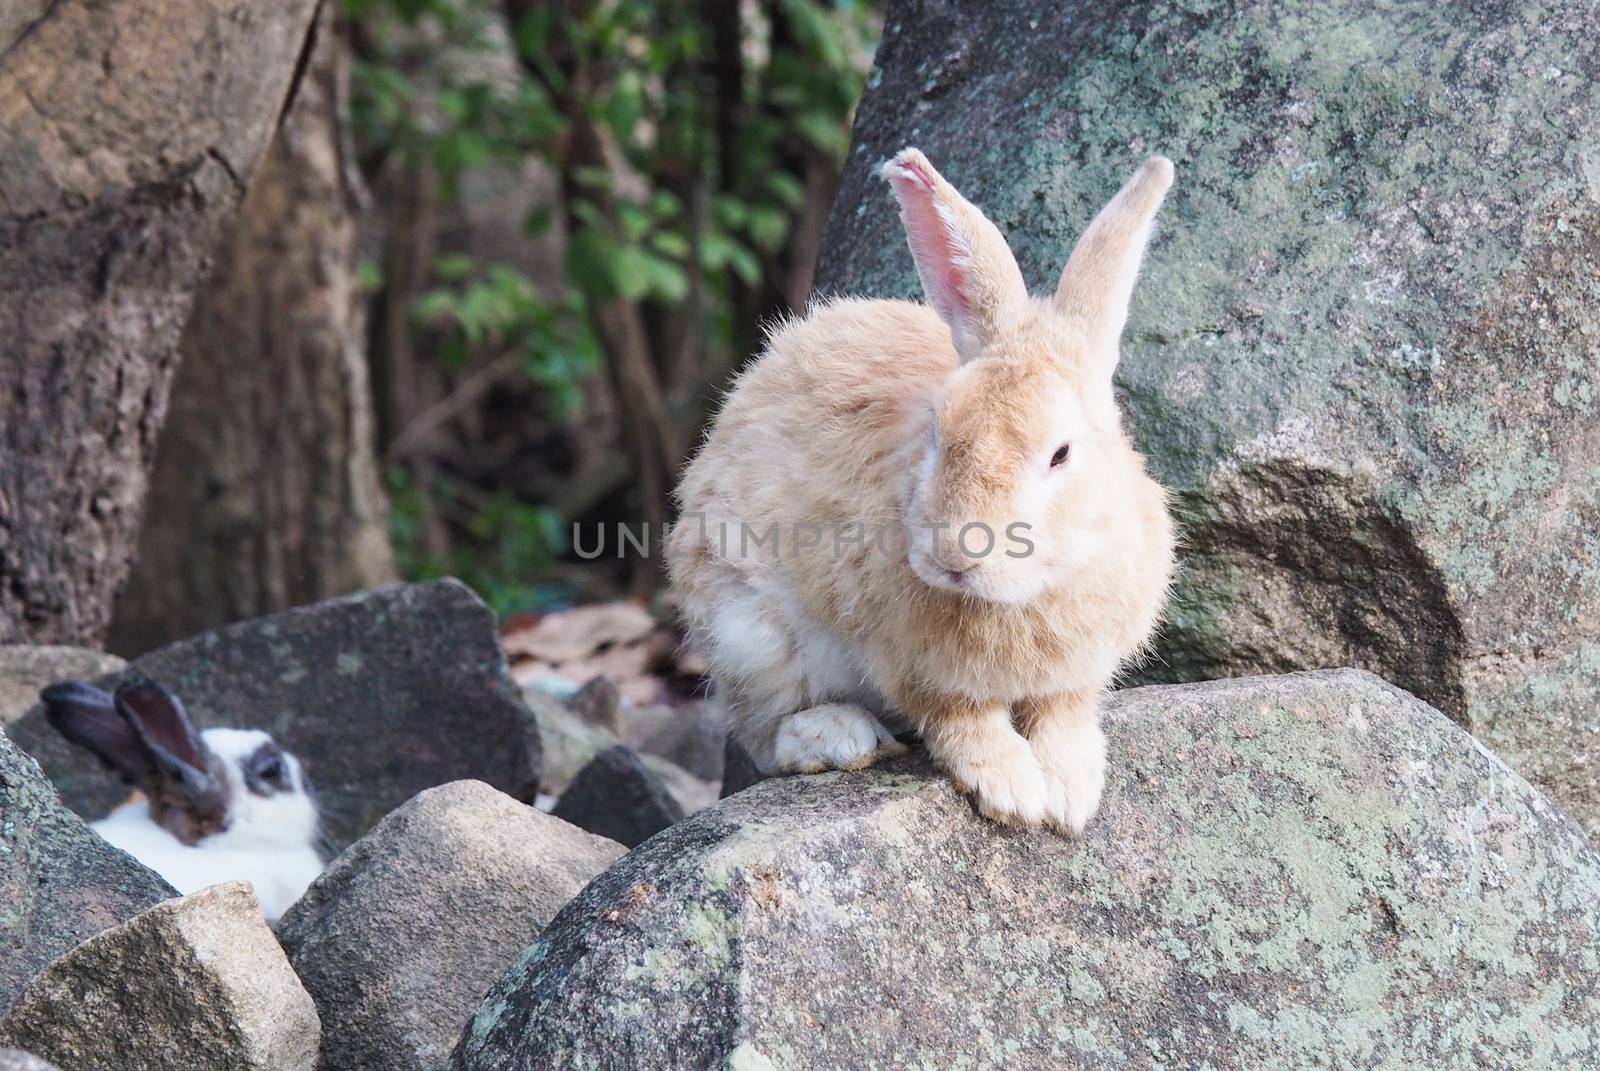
(497, 307)
(687, 214)
(512, 542)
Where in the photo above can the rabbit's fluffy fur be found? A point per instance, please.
(984, 407)
(269, 841)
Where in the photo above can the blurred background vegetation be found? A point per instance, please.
(579, 217)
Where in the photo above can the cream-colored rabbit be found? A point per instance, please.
(933, 514)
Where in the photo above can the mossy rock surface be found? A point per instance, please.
(60, 884)
(1363, 350)
(1314, 870)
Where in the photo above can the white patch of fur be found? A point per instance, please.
(834, 736)
(269, 842)
(747, 642)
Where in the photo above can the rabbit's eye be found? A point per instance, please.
(266, 772)
(1059, 458)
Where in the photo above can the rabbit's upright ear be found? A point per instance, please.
(88, 717)
(968, 273)
(1097, 283)
(163, 727)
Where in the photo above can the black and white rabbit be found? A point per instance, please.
(212, 806)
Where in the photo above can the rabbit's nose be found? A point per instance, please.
(950, 556)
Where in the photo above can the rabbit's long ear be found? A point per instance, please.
(159, 720)
(1097, 282)
(88, 717)
(968, 273)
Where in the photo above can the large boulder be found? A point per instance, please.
(197, 983)
(1304, 871)
(59, 882)
(1361, 352)
(24, 669)
(403, 934)
(380, 695)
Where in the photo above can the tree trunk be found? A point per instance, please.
(265, 493)
(126, 132)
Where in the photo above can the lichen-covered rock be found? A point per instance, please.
(24, 669)
(197, 983)
(1362, 349)
(380, 695)
(407, 929)
(59, 882)
(617, 796)
(1313, 870)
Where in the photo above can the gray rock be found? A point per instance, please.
(380, 695)
(399, 939)
(598, 703)
(1304, 871)
(17, 1060)
(24, 669)
(617, 796)
(570, 743)
(59, 882)
(739, 770)
(197, 983)
(1361, 351)
(691, 737)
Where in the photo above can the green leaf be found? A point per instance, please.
(453, 267)
(634, 220)
(745, 265)
(767, 227)
(624, 105)
(824, 130)
(589, 256)
(594, 178)
(729, 211)
(630, 271)
(786, 188)
(668, 282)
(670, 243)
(434, 306)
(664, 205)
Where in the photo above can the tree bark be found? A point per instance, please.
(127, 130)
(266, 493)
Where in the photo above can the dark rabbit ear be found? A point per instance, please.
(88, 717)
(160, 720)
(162, 726)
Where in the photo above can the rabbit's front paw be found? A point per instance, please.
(1008, 784)
(834, 736)
(1074, 761)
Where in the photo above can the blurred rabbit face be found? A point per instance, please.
(272, 803)
(1005, 495)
